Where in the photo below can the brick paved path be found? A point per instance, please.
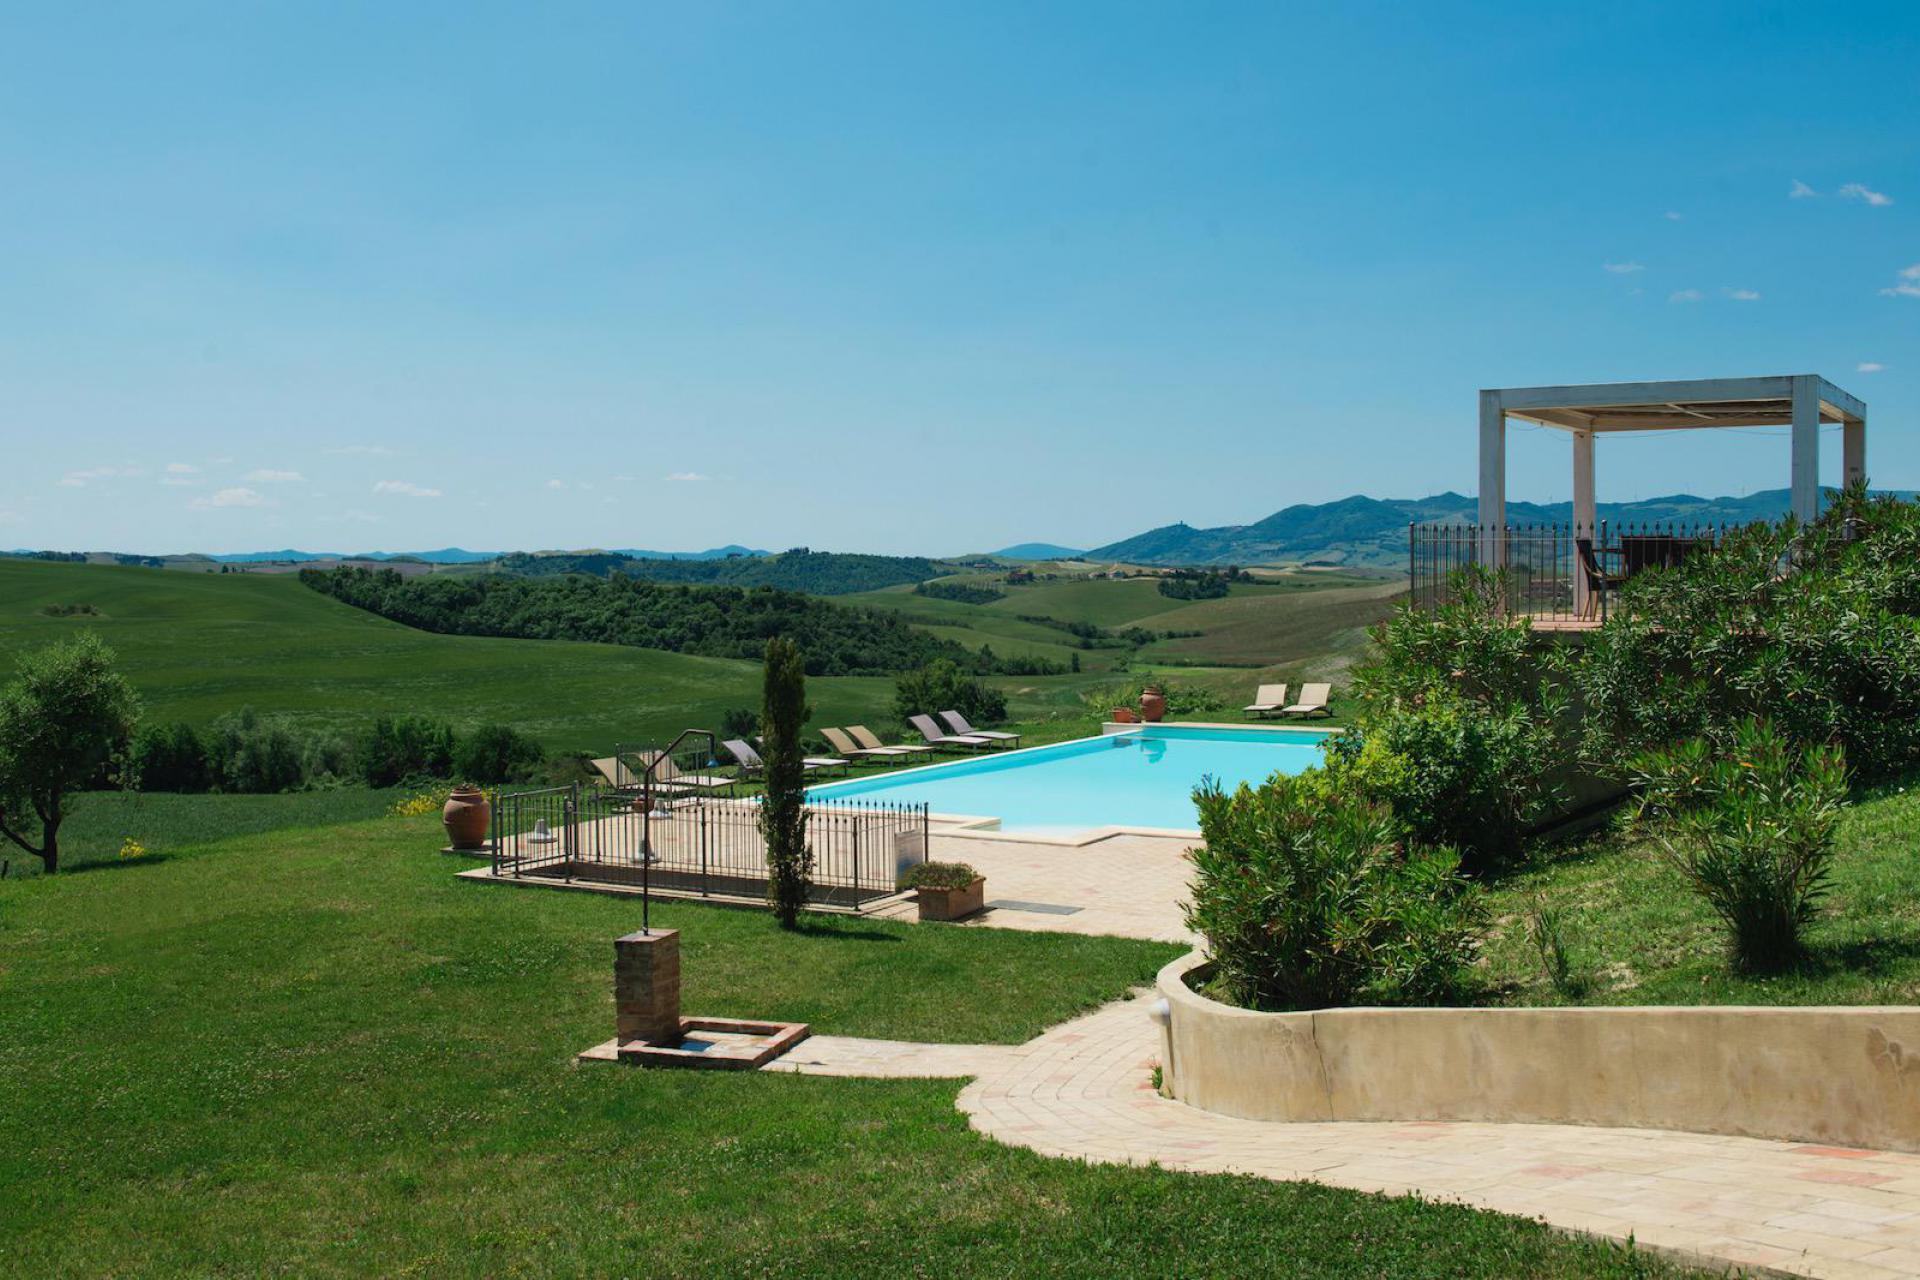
(1083, 1090)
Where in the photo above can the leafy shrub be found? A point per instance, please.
(1816, 628)
(496, 753)
(1547, 930)
(938, 875)
(1458, 726)
(1309, 897)
(1752, 829)
(415, 806)
(255, 754)
(739, 722)
(1198, 584)
(170, 757)
(1182, 699)
(1454, 772)
(395, 748)
(942, 686)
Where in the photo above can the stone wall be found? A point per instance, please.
(1846, 1076)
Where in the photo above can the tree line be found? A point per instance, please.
(712, 621)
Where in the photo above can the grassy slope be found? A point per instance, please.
(1649, 940)
(198, 645)
(320, 1053)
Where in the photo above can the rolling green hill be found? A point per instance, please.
(198, 646)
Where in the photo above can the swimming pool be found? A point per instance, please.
(1138, 778)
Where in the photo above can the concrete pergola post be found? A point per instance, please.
(1803, 402)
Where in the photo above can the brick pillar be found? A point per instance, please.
(646, 986)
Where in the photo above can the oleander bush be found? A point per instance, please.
(1310, 895)
(1460, 728)
(943, 686)
(1816, 628)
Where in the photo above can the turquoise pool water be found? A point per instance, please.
(1142, 778)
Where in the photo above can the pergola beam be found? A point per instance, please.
(1801, 402)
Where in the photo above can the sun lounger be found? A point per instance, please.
(751, 764)
(1313, 701)
(843, 742)
(935, 738)
(865, 737)
(1270, 700)
(958, 723)
(669, 776)
(618, 776)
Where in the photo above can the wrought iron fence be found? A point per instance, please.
(688, 844)
(1554, 572)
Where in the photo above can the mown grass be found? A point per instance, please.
(1639, 934)
(316, 1052)
(103, 821)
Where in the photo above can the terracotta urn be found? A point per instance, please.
(1123, 715)
(1153, 704)
(466, 816)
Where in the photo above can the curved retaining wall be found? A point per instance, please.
(1848, 1076)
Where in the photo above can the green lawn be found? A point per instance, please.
(102, 821)
(315, 1051)
(1646, 938)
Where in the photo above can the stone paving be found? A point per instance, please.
(1083, 1090)
(1130, 885)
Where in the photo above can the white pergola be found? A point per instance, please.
(1802, 401)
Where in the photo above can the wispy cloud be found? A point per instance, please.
(1684, 295)
(362, 450)
(405, 489)
(269, 476)
(1860, 191)
(235, 497)
(556, 484)
(81, 479)
(685, 477)
(1743, 295)
(1800, 191)
(1622, 268)
(1674, 215)
(1868, 366)
(1907, 286)
(180, 474)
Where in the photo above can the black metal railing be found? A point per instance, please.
(682, 843)
(1551, 572)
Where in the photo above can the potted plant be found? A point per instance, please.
(1153, 703)
(946, 890)
(1122, 715)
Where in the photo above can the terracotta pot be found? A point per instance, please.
(951, 904)
(1153, 704)
(1122, 715)
(466, 817)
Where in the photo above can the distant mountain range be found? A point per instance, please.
(1363, 532)
(459, 555)
(1038, 551)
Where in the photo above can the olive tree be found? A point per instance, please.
(65, 718)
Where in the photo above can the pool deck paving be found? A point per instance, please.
(1084, 1090)
(1129, 885)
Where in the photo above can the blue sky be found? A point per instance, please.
(913, 278)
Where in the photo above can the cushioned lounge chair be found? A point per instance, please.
(937, 738)
(1270, 700)
(752, 765)
(1313, 701)
(840, 740)
(865, 737)
(958, 723)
